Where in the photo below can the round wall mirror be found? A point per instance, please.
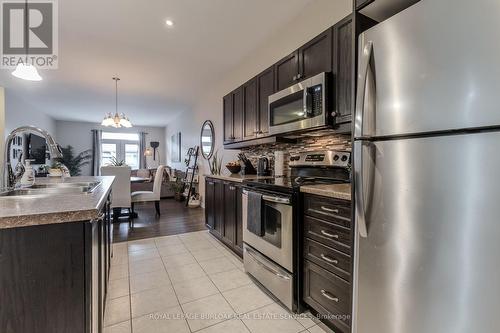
(207, 140)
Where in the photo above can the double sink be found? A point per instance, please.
(52, 189)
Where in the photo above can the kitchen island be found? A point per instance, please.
(55, 250)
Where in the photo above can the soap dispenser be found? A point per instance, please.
(28, 178)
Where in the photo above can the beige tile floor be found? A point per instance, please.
(190, 283)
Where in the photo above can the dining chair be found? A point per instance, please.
(148, 196)
(120, 190)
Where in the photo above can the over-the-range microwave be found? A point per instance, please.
(301, 107)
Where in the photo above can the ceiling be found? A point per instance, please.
(163, 70)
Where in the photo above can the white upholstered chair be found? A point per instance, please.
(120, 191)
(146, 196)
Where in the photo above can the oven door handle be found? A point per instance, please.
(269, 269)
(280, 200)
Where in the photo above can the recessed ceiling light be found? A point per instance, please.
(169, 23)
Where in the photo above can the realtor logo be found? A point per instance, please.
(33, 40)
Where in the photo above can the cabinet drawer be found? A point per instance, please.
(328, 258)
(337, 211)
(328, 234)
(328, 295)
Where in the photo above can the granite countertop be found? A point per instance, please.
(31, 210)
(337, 191)
(237, 177)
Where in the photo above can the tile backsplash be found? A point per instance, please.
(304, 144)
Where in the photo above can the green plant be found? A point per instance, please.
(177, 186)
(115, 162)
(215, 164)
(73, 163)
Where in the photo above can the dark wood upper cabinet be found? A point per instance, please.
(343, 70)
(316, 56)
(287, 71)
(250, 117)
(227, 106)
(266, 87)
(238, 109)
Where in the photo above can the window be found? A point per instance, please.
(120, 136)
(122, 147)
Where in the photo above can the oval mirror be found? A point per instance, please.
(207, 140)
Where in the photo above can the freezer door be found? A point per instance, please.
(428, 260)
(435, 66)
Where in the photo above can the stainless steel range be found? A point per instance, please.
(270, 221)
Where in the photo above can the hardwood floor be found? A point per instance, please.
(175, 219)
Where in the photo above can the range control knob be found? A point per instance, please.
(336, 157)
(344, 158)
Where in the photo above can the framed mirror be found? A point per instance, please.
(207, 139)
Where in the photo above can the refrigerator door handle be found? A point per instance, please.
(364, 67)
(359, 189)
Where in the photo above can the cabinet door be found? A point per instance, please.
(316, 55)
(219, 207)
(229, 213)
(250, 110)
(238, 108)
(265, 84)
(287, 71)
(210, 203)
(238, 235)
(227, 106)
(343, 70)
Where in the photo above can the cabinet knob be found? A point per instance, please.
(299, 76)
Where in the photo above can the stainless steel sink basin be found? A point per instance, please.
(53, 189)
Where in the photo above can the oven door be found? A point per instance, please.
(277, 223)
(299, 107)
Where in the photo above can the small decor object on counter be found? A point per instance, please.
(28, 178)
(234, 167)
(59, 170)
(215, 164)
(178, 188)
(194, 201)
(248, 168)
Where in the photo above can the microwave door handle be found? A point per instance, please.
(307, 102)
(364, 67)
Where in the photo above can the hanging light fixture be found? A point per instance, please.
(116, 120)
(26, 71)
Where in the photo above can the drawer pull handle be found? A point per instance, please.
(327, 295)
(327, 234)
(326, 209)
(328, 259)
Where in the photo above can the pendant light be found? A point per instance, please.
(116, 120)
(26, 71)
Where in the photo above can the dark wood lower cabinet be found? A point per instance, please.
(327, 264)
(53, 278)
(223, 212)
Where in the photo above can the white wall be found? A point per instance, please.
(78, 135)
(20, 113)
(321, 15)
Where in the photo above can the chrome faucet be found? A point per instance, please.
(54, 151)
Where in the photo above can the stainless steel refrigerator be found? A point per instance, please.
(427, 171)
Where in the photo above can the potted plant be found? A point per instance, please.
(178, 188)
(74, 163)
